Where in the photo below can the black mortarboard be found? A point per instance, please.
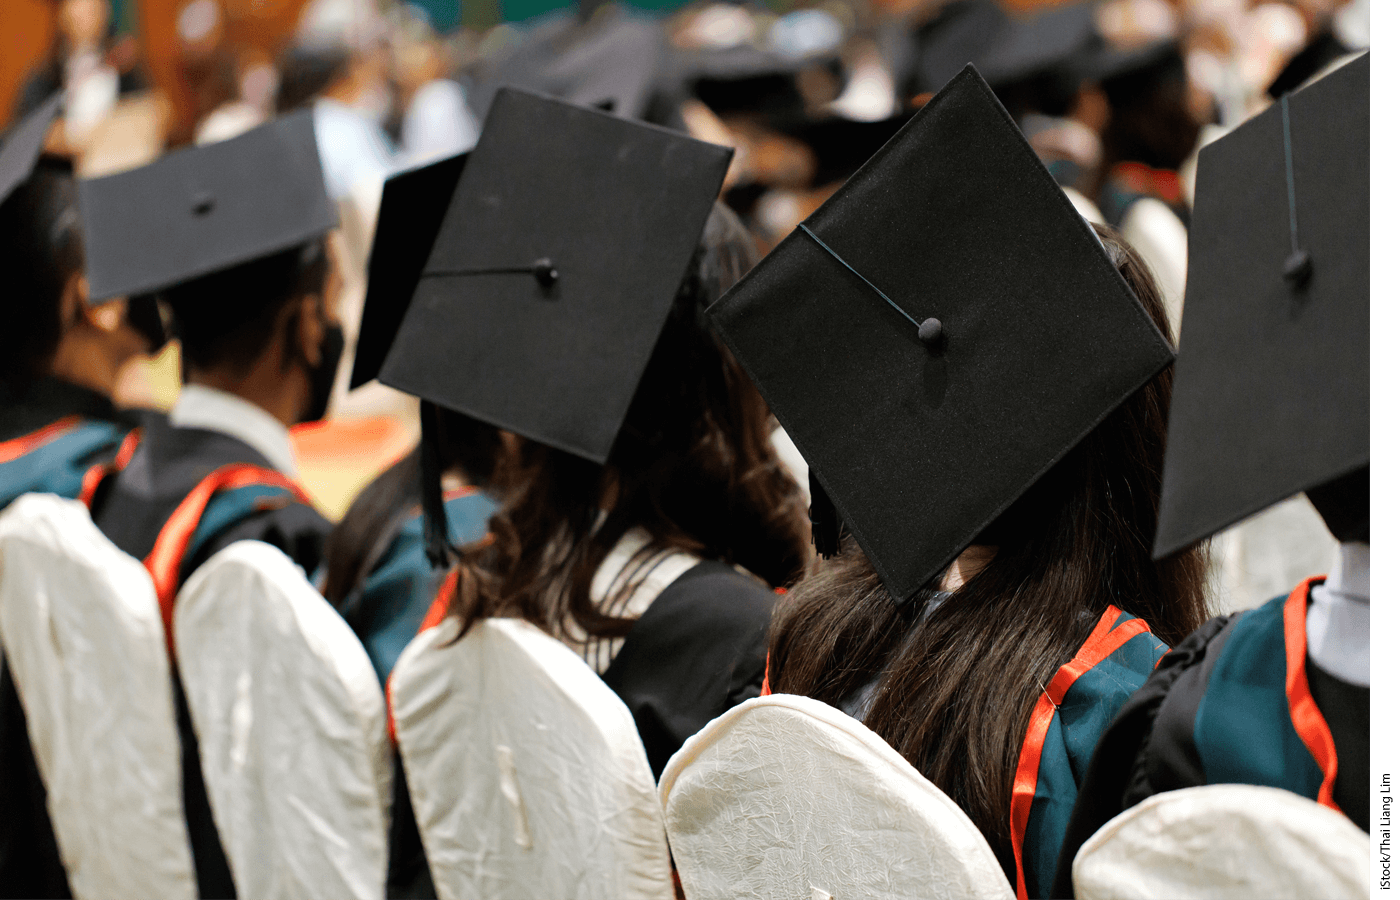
(1272, 390)
(554, 270)
(1317, 55)
(410, 213)
(939, 333)
(1038, 44)
(611, 61)
(24, 144)
(203, 209)
(963, 32)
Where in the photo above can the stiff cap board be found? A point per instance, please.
(554, 269)
(1013, 336)
(203, 209)
(1272, 392)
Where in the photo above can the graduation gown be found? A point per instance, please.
(1238, 702)
(388, 608)
(183, 495)
(1071, 713)
(51, 433)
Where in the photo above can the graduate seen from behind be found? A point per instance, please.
(377, 574)
(644, 517)
(979, 382)
(1273, 399)
(58, 372)
(65, 355)
(232, 237)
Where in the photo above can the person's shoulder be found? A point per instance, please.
(717, 598)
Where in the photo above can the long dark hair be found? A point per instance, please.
(694, 465)
(959, 684)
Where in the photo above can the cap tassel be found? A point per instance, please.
(436, 545)
(826, 521)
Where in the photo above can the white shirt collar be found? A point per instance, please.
(215, 410)
(1339, 617)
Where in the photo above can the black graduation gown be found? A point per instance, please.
(132, 506)
(1224, 707)
(699, 650)
(29, 860)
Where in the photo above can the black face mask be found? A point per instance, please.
(323, 376)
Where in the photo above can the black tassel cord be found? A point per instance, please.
(436, 543)
(826, 521)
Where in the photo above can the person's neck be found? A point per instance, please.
(83, 362)
(274, 396)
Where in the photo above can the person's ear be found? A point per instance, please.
(311, 329)
(72, 306)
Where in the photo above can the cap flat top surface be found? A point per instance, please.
(24, 144)
(1272, 392)
(410, 214)
(617, 207)
(202, 209)
(920, 449)
(612, 60)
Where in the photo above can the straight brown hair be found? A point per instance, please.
(956, 687)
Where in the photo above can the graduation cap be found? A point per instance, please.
(611, 61)
(939, 334)
(411, 209)
(1041, 43)
(203, 209)
(963, 32)
(1272, 388)
(554, 270)
(23, 146)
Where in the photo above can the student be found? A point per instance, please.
(1273, 399)
(57, 417)
(979, 383)
(232, 238)
(645, 518)
(56, 420)
(378, 575)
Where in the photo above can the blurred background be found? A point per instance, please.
(1116, 96)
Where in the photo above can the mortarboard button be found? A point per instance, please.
(1297, 269)
(545, 273)
(203, 204)
(930, 331)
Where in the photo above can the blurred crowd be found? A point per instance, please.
(1114, 95)
(1117, 97)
